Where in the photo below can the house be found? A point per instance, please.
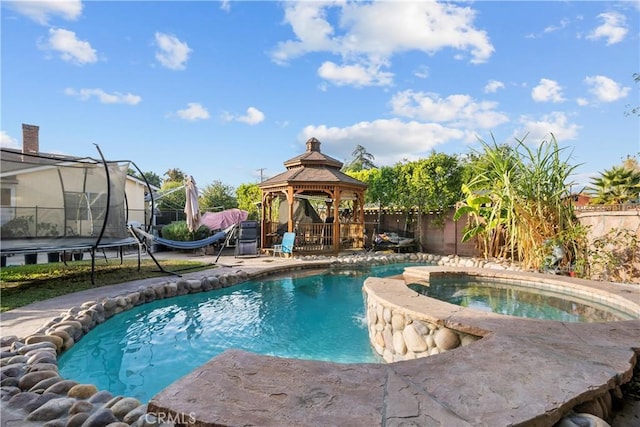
(51, 195)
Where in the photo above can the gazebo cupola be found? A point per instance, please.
(313, 176)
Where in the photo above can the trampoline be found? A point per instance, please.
(60, 203)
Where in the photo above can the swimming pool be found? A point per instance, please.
(513, 300)
(307, 316)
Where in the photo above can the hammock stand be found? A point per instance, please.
(146, 239)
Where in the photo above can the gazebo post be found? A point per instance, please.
(336, 221)
(290, 200)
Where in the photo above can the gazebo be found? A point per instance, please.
(314, 199)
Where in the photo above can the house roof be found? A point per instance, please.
(15, 161)
(312, 167)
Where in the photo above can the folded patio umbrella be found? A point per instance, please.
(191, 206)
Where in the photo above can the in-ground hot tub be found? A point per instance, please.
(411, 318)
(523, 368)
(533, 300)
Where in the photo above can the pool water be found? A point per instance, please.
(141, 351)
(520, 301)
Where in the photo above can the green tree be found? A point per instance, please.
(430, 185)
(216, 195)
(362, 160)
(153, 178)
(382, 190)
(617, 185)
(175, 175)
(172, 196)
(249, 196)
(383, 186)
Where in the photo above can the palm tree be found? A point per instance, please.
(616, 186)
(175, 175)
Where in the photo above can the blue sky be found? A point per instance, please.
(227, 91)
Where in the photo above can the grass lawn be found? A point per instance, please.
(24, 284)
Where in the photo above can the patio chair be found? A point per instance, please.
(247, 242)
(286, 246)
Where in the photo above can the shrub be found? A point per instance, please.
(21, 226)
(615, 257)
(179, 231)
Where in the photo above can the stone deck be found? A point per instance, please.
(523, 372)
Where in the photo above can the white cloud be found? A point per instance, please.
(583, 102)
(606, 89)
(225, 5)
(550, 29)
(370, 34)
(553, 28)
(70, 49)
(172, 53)
(42, 11)
(422, 72)
(614, 28)
(193, 112)
(253, 117)
(492, 86)
(392, 140)
(6, 141)
(456, 110)
(425, 121)
(355, 75)
(547, 91)
(104, 97)
(538, 129)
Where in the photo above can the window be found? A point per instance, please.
(5, 197)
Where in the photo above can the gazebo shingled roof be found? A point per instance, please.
(312, 166)
(314, 173)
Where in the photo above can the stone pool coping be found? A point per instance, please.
(278, 391)
(522, 372)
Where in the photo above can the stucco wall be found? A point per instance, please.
(601, 222)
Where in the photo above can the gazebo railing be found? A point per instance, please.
(318, 236)
(351, 236)
(314, 237)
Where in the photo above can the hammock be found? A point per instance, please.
(177, 244)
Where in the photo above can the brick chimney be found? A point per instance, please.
(30, 139)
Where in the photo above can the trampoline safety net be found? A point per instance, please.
(61, 202)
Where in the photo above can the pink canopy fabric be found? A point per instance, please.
(220, 220)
